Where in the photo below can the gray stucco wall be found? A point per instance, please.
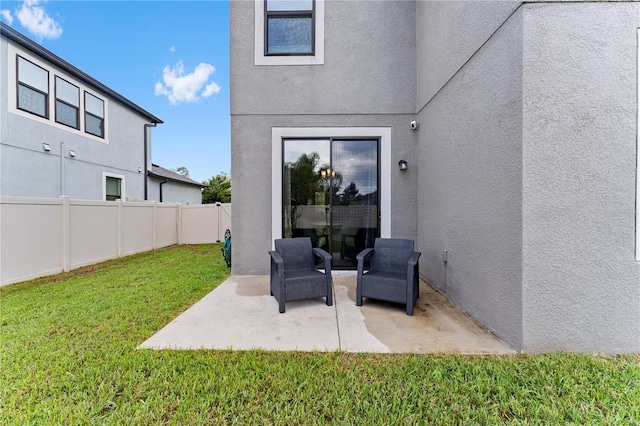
(470, 174)
(174, 192)
(373, 77)
(449, 33)
(525, 156)
(28, 171)
(369, 84)
(251, 153)
(581, 283)
(527, 173)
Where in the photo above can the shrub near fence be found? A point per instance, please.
(43, 236)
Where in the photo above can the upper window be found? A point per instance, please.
(48, 95)
(33, 88)
(67, 103)
(93, 115)
(289, 32)
(289, 27)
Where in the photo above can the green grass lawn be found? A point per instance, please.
(68, 356)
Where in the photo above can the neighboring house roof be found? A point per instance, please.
(162, 173)
(34, 47)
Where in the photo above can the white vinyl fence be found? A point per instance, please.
(43, 236)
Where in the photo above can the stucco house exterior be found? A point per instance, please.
(500, 136)
(167, 186)
(62, 132)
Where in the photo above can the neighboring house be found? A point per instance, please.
(518, 125)
(64, 133)
(167, 186)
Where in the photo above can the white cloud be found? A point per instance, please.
(172, 49)
(180, 87)
(6, 16)
(34, 18)
(211, 89)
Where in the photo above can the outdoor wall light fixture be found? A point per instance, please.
(403, 165)
(139, 169)
(46, 147)
(72, 153)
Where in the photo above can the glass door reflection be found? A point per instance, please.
(354, 199)
(305, 191)
(330, 194)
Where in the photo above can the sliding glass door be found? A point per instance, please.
(330, 194)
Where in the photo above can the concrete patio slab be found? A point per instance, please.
(241, 315)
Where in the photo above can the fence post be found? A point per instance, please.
(179, 223)
(119, 225)
(218, 204)
(65, 234)
(154, 222)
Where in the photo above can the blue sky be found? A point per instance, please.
(169, 57)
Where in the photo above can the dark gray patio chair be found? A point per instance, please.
(293, 272)
(394, 272)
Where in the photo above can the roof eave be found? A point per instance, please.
(49, 56)
(151, 174)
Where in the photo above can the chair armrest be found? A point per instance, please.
(364, 254)
(322, 254)
(412, 266)
(275, 256)
(326, 257)
(361, 257)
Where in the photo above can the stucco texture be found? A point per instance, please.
(581, 283)
(27, 170)
(372, 77)
(251, 154)
(523, 168)
(173, 192)
(361, 84)
(470, 180)
(449, 33)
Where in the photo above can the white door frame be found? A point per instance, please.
(381, 133)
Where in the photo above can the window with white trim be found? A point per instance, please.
(33, 88)
(43, 93)
(289, 32)
(278, 134)
(289, 27)
(93, 115)
(67, 103)
(113, 186)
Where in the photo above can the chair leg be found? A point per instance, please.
(282, 295)
(411, 300)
